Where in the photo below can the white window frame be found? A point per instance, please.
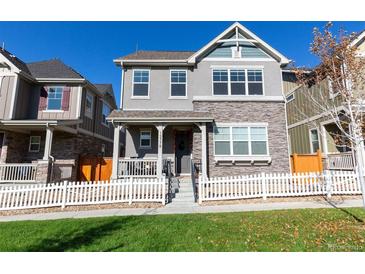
(249, 126)
(55, 110)
(36, 143)
(290, 95)
(311, 140)
(102, 113)
(330, 90)
(246, 80)
(144, 130)
(186, 84)
(149, 84)
(89, 113)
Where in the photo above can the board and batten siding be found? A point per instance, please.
(6, 92)
(63, 115)
(27, 100)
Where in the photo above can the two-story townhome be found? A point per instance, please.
(312, 128)
(50, 115)
(220, 108)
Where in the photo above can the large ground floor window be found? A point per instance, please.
(240, 140)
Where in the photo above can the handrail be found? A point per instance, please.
(194, 171)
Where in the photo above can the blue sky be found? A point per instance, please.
(90, 47)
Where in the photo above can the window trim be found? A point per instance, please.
(186, 85)
(290, 94)
(331, 94)
(30, 143)
(140, 138)
(245, 68)
(311, 140)
(54, 110)
(249, 126)
(89, 114)
(149, 84)
(102, 107)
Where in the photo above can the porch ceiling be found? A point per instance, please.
(161, 116)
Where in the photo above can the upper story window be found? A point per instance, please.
(238, 82)
(89, 105)
(105, 113)
(54, 101)
(178, 83)
(34, 143)
(240, 141)
(141, 81)
(314, 139)
(290, 97)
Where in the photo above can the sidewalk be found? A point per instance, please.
(194, 208)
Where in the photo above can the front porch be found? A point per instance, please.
(158, 141)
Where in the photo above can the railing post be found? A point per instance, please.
(65, 183)
(130, 190)
(328, 182)
(163, 190)
(263, 182)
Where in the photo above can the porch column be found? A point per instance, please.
(116, 151)
(160, 129)
(203, 129)
(48, 143)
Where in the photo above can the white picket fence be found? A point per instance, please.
(82, 193)
(278, 185)
(18, 173)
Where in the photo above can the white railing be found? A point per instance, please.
(82, 193)
(18, 173)
(278, 185)
(137, 168)
(341, 161)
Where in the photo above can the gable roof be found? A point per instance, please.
(161, 55)
(19, 64)
(53, 68)
(251, 37)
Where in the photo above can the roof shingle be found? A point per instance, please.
(158, 55)
(53, 68)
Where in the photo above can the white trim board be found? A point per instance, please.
(240, 98)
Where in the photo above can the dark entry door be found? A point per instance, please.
(1, 141)
(182, 152)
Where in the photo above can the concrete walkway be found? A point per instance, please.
(194, 208)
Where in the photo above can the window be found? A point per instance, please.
(89, 105)
(178, 83)
(314, 140)
(105, 113)
(255, 86)
(290, 97)
(240, 140)
(34, 143)
(238, 86)
(220, 82)
(238, 82)
(145, 138)
(141, 79)
(54, 98)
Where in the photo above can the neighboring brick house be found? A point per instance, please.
(51, 115)
(221, 107)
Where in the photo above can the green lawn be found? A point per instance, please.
(287, 230)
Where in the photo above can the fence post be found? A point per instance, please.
(328, 182)
(65, 183)
(130, 190)
(263, 182)
(200, 190)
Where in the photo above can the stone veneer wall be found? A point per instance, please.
(66, 149)
(272, 113)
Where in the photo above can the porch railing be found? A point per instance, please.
(340, 161)
(137, 168)
(18, 173)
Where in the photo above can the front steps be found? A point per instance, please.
(184, 193)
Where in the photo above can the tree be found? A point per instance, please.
(343, 99)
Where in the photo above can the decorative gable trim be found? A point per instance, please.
(252, 39)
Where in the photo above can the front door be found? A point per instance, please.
(182, 152)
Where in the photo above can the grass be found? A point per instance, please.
(286, 230)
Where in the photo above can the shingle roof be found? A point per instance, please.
(53, 68)
(158, 55)
(104, 88)
(15, 60)
(158, 115)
